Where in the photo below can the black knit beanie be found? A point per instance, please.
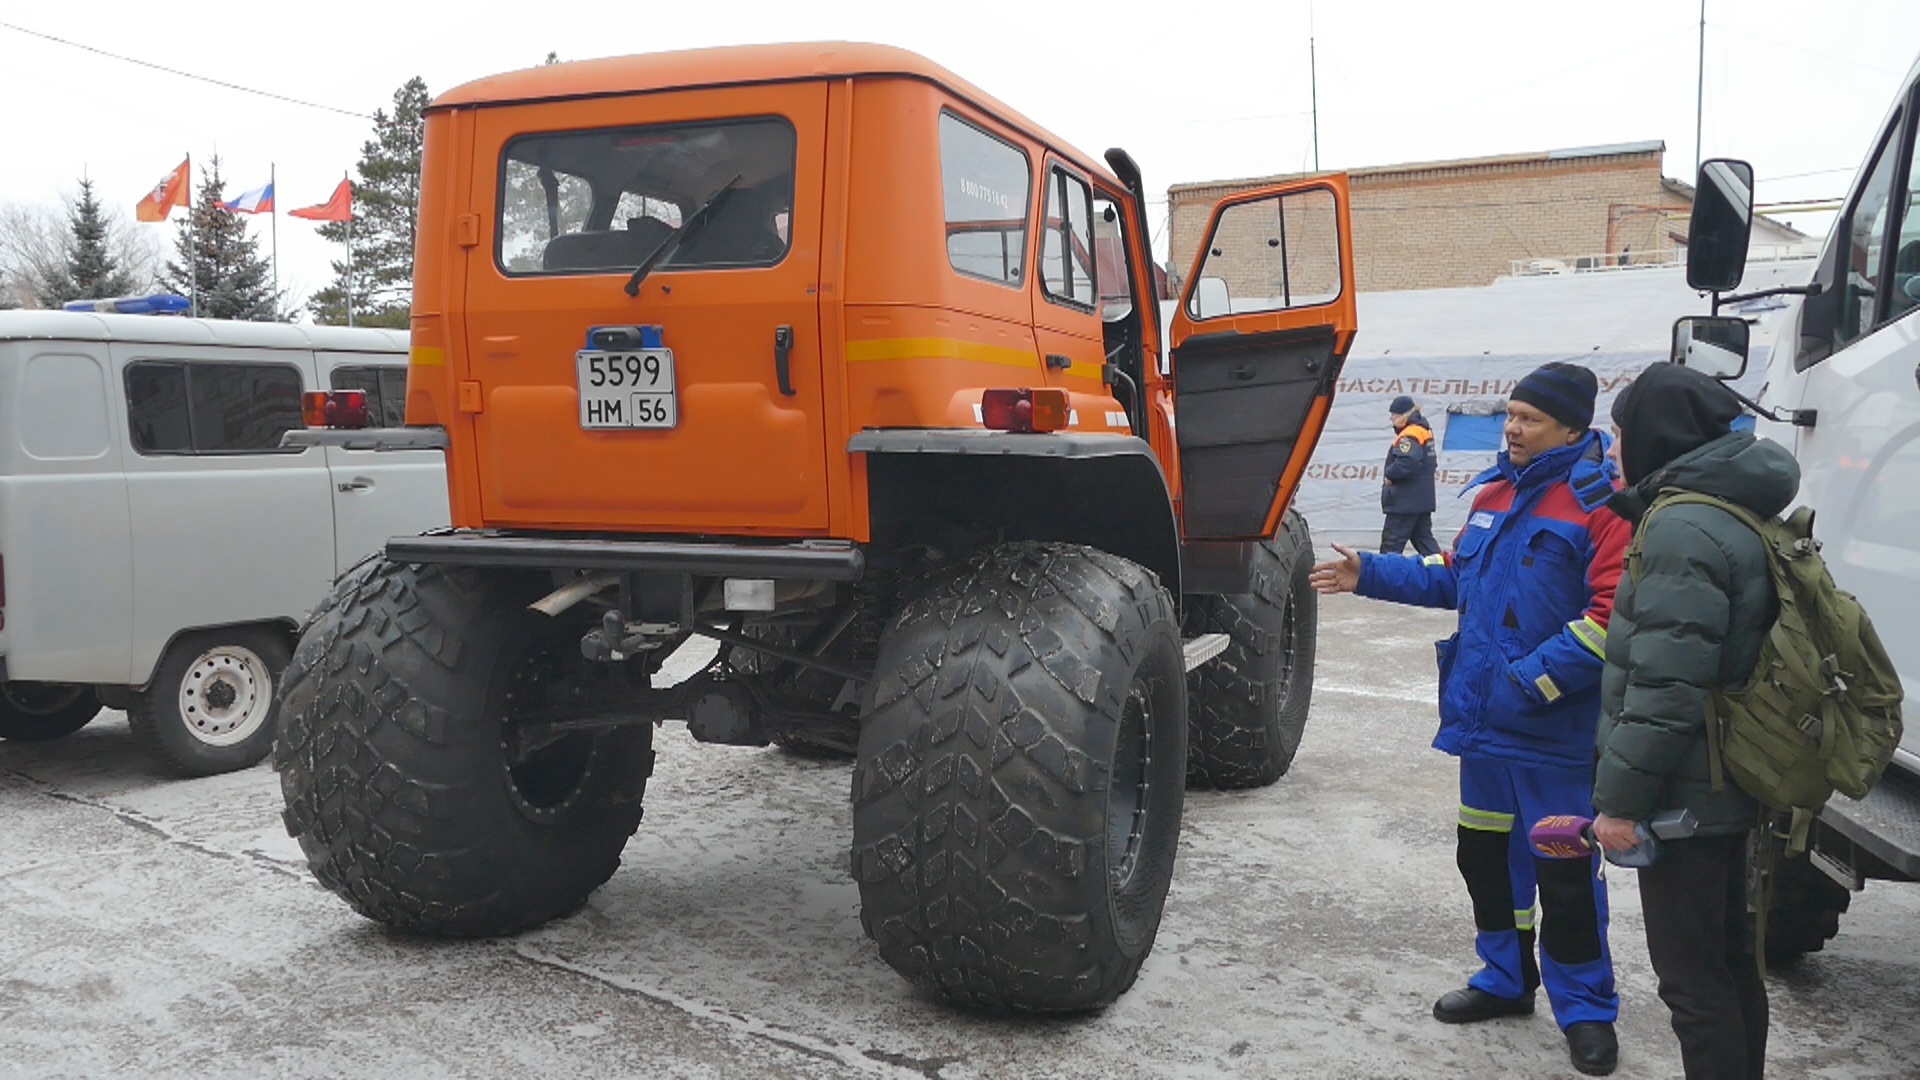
(1669, 411)
(1562, 391)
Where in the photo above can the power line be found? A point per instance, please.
(184, 74)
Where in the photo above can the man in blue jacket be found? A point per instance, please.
(1532, 576)
(1406, 483)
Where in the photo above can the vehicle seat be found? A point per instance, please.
(613, 249)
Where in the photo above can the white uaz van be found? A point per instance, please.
(1842, 392)
(158, 548)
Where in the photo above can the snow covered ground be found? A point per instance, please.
(154, 927)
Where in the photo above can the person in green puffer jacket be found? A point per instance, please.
(1689, 620)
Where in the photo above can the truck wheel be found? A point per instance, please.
(210, 707)
(37, 712)
(1018, 788)
(1248, 706)
(1805, 912)
(399, 759)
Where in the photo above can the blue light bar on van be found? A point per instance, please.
(157, 304)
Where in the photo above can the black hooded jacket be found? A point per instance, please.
(1690, 616)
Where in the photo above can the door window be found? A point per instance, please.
(1270, 254)
(603, 200)
(176, 407)
(385, 386)
(1066, 247)
(985, 182)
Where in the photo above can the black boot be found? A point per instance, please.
(1592, 1047)
(1472, 1004)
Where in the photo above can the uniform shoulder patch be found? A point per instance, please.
(1404, 446)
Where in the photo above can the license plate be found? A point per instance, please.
(623, 390)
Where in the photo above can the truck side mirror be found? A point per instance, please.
(1713, 345)
(1210, 298)
(1721, 224)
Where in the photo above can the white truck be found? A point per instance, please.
(1842, 391)
(158, 548)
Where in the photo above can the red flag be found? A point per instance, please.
(170, 192)
(338, 208)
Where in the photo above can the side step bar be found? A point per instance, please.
(1204, 648)
(819, 560)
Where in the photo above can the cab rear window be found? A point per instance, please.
(601, 201)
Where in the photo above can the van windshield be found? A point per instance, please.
(600, 201)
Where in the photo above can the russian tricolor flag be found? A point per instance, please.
(257, 201)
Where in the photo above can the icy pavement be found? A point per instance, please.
(154, 927)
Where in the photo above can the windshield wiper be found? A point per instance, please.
(694, 223)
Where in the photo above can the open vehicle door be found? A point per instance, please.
(1258, 341)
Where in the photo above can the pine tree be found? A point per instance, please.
(386, 201)
(88, 271)
(219, 260)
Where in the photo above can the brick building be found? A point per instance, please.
(1450, 224)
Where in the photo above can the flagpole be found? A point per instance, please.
(273, 227)
(349, 262)
(193, 248)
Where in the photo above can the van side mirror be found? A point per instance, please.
(1713, 345)
(1721, 225)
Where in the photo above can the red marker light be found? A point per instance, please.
(334, 408)
(1025, 410)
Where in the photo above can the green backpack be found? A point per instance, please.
(1822, 710)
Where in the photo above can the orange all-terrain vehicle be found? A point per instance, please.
(824, 354)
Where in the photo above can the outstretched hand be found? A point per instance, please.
(1340, 576)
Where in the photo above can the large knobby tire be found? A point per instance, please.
(393, 757)
(37, 712)
(210, 707)
(1018, 790)
(1805, 911)
(1248, 706)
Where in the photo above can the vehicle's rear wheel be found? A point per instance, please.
(1248, 706)
(407, 779)
(210, 707)
(39, 711)
(1018, 790)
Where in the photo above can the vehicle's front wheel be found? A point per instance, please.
(1018, 789)
(1248, 706)
(1805, 910)
(210, 708)
(38, 711)
(413, 776)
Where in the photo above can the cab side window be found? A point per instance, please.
(386, 389)
(1904, 296)
(1866, 246)
(1066, 245)
(986, 186)
(176, 407)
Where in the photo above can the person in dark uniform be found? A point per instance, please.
(1406, 491)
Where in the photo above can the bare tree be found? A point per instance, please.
(34, 240)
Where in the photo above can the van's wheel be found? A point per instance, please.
(210, 707)
(1805, 911)
(411, 778)
(39, 711)
(1018, 790)
(1248, 706)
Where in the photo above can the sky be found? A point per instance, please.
(1195, 90)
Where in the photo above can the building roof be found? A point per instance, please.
(738, 65)
(1453, 166)
(169, 330)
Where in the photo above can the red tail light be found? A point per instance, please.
(1024, 410)
(334, 408)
